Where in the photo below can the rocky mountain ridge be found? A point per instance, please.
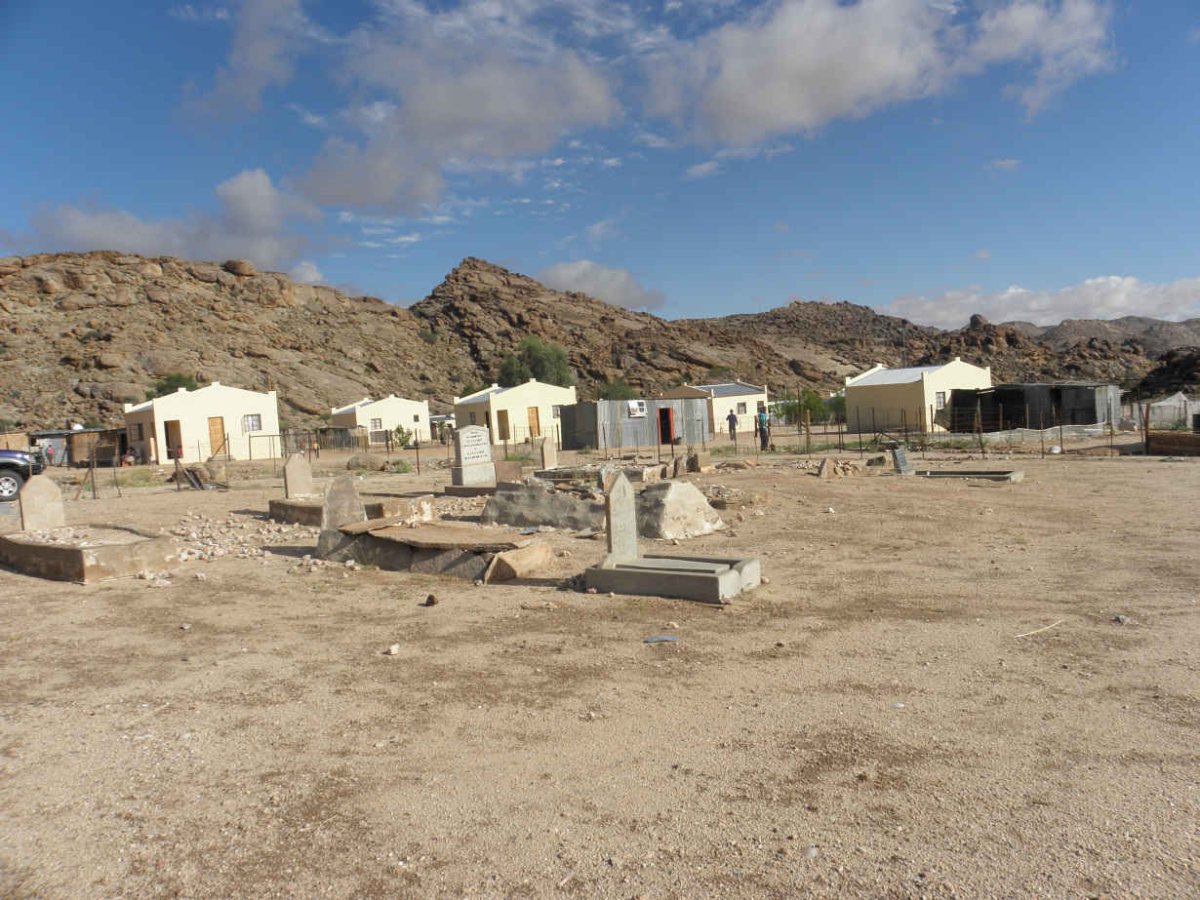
(83, 333)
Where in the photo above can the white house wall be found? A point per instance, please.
(249, 420)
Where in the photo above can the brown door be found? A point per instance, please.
(174, 438)
(535, 422)
(216, 435)
(502, 424)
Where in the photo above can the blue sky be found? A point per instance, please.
(1031, 159)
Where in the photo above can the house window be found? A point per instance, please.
(471, 417)
(939, 400)
(556, 411)
(377, 424)
(135, 432)
(251, 422)
(741, 409)
(417, 419)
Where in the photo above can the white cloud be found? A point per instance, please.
(1063, 41)
(1005, 165)
(611, 162)
(793, 66)
(307, 116)
(600, 231)
(306, 271)
(703, 170)
(616, 286)
(781, 227)
(191, 13)
(253, 221)
(1107, 297)
(268, 37)
(983, 255)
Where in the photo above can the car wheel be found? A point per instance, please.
(10, 485)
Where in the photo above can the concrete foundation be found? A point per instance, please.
(112, 553)
(1010, 475)
(703, 579)
(308, 511)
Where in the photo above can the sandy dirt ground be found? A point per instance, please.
(872, 722)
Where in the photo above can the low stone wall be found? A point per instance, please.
(1174, 443)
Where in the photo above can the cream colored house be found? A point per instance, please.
(742, 399)
(515, 413)
(883, 399)
(380, 417)
(215, 420)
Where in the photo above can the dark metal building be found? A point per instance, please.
(1037, 406)
(612, 424)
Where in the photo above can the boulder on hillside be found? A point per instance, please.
(241, 267)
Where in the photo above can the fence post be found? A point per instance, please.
(1042, 430)
(1062, 444)
(807, 432)
(858, 425)
(417, 447)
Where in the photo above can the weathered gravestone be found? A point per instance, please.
(297, 477)
(620, 508)
(625, 571)
(900, 461)
(473, 466)
(545, 453)
(41, 505)
(342, 507)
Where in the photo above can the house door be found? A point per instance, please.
(666, 425)
(502, 425)
(216, 436)
(174, 437)
(535, 422)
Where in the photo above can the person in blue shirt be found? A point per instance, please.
(764, 429)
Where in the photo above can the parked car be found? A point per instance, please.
(15, 467)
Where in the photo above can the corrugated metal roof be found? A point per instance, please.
(730, 389)
(894, 376)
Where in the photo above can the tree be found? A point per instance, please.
(402, 436)
(617, 389)
(170, 383)
(535, 358)
(792, 409)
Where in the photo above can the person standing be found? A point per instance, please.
(764, 429)
(733, 424)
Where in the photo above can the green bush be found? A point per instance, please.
(170, 383)
(401, 467)
(617, 389)
(535, 358)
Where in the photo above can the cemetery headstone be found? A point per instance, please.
(342, 505)
(621, 510)
(900, 461)
(41, 504)
(297, 476)
(546, 453)
(473, 466)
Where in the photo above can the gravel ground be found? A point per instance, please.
(932, 696)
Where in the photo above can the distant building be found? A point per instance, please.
(1175, 411)
(883, 399)
(215, 420)
(741, 398)
(380, 417)
(602, 424)
(515, 413)
(1036, 406)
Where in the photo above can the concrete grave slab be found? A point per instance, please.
(106, 552)
(473, 466)
(545, 453)
(689, 578)
(1009, 475)
(537, 503)
(309, 511)
(41, 504)
(900, 463)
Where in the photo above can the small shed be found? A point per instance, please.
(381, 417)
(882, 399)
(215, 420)
(515, 413)
(1035, 406)
(604, 424)
(742, 399)
(75, 446)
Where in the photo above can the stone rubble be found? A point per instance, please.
(204, 538)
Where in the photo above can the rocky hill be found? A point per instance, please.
(83, 333)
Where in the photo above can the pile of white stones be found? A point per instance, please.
(237, 537)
